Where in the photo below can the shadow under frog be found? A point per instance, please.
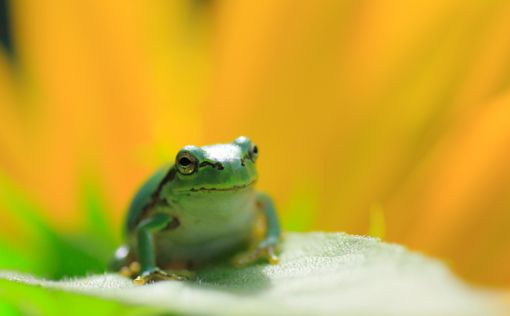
(223, 277)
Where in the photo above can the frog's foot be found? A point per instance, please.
(183, 273)
(266, 253)
(131, 270)
(157, 275)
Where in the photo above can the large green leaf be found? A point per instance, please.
(319, 273)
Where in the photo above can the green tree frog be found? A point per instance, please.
(200, 209)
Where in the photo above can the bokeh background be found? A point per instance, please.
(382, 118)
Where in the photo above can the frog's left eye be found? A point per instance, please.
(254, 152)
(186, 163)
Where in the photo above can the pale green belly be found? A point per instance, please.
(209, 229)
(174, 250)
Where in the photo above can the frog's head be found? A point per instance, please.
(215, 168)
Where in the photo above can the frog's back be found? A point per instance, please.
(143, 197)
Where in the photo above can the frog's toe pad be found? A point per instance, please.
(272, 258)
(266, 254)
(155, 276)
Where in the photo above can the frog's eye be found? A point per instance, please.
(186, 163)
(254, 152)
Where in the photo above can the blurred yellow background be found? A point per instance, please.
(389, 118)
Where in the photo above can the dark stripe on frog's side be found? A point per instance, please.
(170, 175)
(148, 196)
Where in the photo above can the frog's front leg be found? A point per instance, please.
(146, 253)
(266, 247)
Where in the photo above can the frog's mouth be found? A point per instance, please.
(233, 188)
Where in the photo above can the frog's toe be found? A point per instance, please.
(157, 275)
(265, 253)
(124, 271)
(130, 270)
(271, 256)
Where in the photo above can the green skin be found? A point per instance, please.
(200, 209)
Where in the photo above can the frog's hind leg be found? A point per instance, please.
(124, 262)
(266, 248)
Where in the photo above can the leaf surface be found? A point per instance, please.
(319, 274)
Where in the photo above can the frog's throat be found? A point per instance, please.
(233, 188)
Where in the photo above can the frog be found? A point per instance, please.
(198, 210)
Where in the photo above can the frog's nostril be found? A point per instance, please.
(242, 162)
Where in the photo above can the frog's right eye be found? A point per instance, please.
(186, 163)
(254, 152)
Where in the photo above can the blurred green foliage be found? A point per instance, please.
(50, 253)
